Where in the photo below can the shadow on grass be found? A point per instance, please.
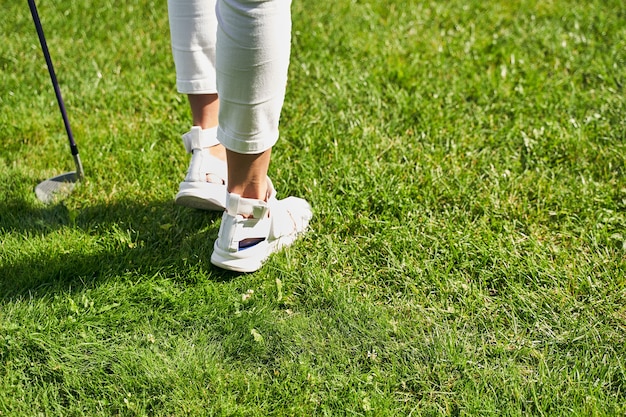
(66, 248)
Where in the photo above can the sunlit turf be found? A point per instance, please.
(465, 161)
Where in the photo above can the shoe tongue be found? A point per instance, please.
(237, 205)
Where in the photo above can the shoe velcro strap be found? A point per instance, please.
(198, 138)
(246, 206)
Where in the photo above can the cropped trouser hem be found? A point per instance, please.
(240, 50)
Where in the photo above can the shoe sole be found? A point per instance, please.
(251, 259)
(203, 196)
(232, 262)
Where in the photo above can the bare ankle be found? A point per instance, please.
(253, 190)
(218, 151)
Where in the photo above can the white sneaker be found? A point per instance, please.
(252, 230)
(204, 186)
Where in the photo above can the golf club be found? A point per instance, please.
(48, 190)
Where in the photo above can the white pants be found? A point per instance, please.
(238, 49)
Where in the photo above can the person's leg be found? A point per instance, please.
(204, 113)
(193, 27)
(248, 174)
(253, 46)
(204, 109)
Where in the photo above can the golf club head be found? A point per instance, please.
(51, 189)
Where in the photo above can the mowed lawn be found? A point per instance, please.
(465, 161)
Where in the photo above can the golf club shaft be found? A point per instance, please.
(55, 84)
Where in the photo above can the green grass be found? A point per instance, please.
(465, 161)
